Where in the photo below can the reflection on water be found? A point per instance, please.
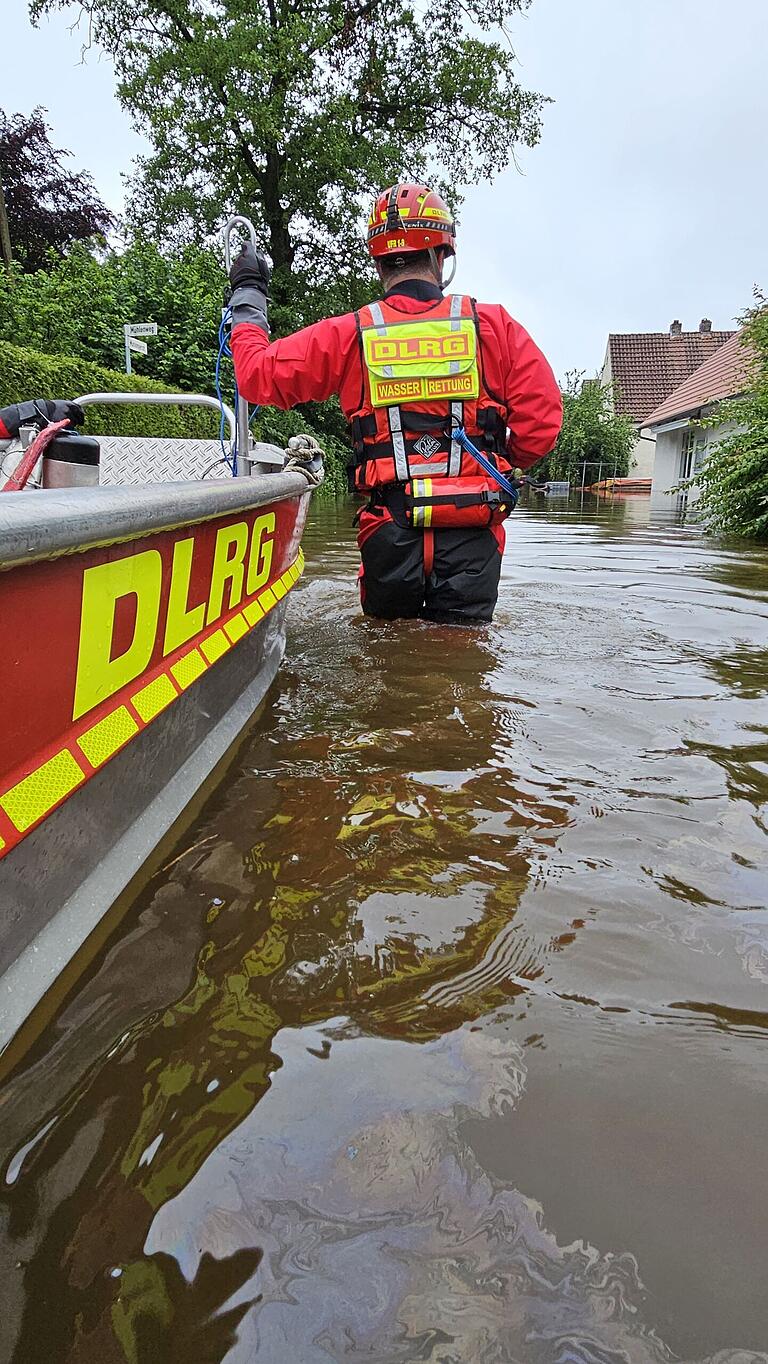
(441, 1036)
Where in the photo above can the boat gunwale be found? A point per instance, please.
(49, 523)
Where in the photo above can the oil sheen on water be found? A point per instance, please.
(442, 1032)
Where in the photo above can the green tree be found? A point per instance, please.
(734, 478)
(80, 302)
(296, 111)
(591, 434)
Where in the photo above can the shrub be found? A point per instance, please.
(734, 478)
(30, 374)
(592, 434)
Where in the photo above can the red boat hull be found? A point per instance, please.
(133, 659)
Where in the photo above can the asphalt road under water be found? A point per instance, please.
(442, 1034)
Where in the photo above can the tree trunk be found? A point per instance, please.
(281, 247)
(5, 235)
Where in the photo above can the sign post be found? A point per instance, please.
(132, 331)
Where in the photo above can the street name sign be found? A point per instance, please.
(131, 332)
(141, 329)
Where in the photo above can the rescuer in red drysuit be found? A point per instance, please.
(410, 372)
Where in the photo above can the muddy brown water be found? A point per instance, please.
(443, 1032)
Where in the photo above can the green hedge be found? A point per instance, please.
(28, 374)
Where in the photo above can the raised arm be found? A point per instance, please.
(306, 367)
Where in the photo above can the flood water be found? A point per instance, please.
(442, 1034)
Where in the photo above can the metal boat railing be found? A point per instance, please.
(163, 400)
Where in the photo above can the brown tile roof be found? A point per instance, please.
(648, 366)
(723, 375)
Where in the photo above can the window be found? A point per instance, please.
(693, 453)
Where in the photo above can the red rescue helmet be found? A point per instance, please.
(408, 218)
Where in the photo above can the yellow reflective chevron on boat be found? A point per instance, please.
(188, 669)
(29, 800)
(153, 698)
(37, 794)
(107, 736)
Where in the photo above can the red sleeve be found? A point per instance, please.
(4, 432)
(306, 367)
(529, 389)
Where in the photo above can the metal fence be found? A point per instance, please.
(601, 465)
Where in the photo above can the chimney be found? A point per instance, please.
(675, 328)
(705, 325)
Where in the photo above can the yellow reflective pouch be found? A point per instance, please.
(421, 516)
(412, 362)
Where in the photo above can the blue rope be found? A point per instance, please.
(461, 436)
(230, 457)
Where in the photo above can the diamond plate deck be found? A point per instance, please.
(133, 460)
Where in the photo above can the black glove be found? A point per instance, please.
(249, 277)
(250, 267)
(39, 412)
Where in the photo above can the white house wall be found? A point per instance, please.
(666, 469)
(606, 374)
(669, 450)
(642, 458)
(643, 452)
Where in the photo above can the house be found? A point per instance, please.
(643, 368)
(681, 444)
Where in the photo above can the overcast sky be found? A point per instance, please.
(646, 200)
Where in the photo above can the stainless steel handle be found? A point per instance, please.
(237, 221)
